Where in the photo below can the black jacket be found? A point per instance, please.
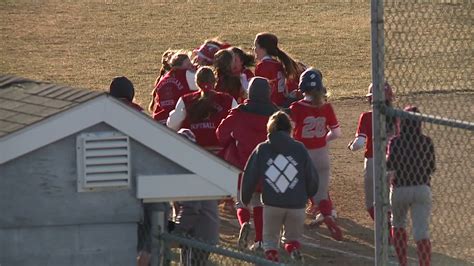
(286, 172)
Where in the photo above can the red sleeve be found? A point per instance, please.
(226, 127)
(331, 117)
(294, 118)
(292, 112)
(362, 126)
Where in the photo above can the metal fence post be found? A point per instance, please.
(379, 134)
(157, 227)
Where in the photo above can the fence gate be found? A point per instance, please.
(424, 49)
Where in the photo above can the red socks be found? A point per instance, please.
(243, 215)
(325, 207)
(400, 243)
(292, 245)
(258, 222)
(423, 249)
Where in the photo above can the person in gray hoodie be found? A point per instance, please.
(284, 170)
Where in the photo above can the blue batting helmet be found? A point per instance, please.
(311, 79)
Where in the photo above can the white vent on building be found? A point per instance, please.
(103, 161)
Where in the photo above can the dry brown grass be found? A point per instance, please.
(86, 43)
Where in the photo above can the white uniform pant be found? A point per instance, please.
(320, 158)
(274, 218)
(417, 199)
(369, 182)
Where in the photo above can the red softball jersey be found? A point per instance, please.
(272, 70)
(312, 123)
(364, 129)
(171, 87)
(205, 130)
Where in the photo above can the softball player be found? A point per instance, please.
(411, 157)
(315, 125)
(204, 54)
(363, 137)
(266, 49)
(241, 66)
(242, 130)
(227, 81)
(288, 177)
(202, 111)
(178, 81)
(243, 62)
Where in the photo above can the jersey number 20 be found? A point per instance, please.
(314, 127)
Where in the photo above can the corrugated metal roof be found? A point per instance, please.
(24, 102)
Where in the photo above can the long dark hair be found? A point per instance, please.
(269, 42)
(203, 107)
(227, 81)
(248, 60)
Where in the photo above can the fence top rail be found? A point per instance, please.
(395, 112)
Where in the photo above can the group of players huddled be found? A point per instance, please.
(269, 115)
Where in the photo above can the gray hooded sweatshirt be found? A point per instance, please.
(284, 169)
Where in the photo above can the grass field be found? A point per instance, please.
(86, 43)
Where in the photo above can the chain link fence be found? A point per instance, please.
(184, 250)
(164, 240)
(427, 60)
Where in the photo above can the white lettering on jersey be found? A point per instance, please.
(281, 83)
(203, 125)
(167, 103)
(314, 127)
(174, 82)
(281, 173)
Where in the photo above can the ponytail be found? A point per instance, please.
(290, 65)
(203, 107)
(269, 42)
(165, 67)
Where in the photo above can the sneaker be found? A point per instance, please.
(257, 246)
(336, 232)
(296, 255)
(319, 219)
(312, 210)
(244, 233)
